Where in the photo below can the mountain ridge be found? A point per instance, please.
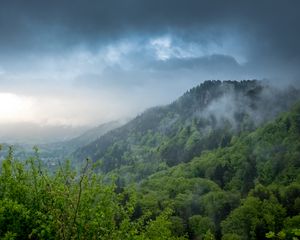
(204, 118)
(242, 191)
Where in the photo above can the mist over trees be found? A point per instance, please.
(206, 117)
(221, 162)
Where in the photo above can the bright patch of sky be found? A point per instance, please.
(15, 108)
(166, 47)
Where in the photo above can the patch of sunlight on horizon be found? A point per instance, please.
(15, 108)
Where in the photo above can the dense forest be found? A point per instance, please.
(221, 162)
(242, 191)
(204, 118)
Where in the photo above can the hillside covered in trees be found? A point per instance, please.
(204, 118)
(221, 162)
(242, 191)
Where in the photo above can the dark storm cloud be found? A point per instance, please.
(270, 27)
(72, 54)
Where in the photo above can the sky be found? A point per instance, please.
(82, 63)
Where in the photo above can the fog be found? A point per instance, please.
(75, 65)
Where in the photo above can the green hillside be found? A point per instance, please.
(204, 118)
(215, 164)
(241, 191)
(247, 190)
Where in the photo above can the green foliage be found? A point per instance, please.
(201, 227)
(35, 204)
(254, 218)
(291, 230)
(245, 190)
(159, 230)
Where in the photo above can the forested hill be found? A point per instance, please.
(247, 190)
(206, 117)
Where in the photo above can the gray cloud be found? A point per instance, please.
(140, 53)
(207, 63)
(267, 24)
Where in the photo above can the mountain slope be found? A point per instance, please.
(87, 137)
(62, 150)
(93, 134)
(242, 191)
(206, 117)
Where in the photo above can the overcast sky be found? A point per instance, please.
(87, 62)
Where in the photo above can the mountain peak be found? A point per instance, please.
(204, 118)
